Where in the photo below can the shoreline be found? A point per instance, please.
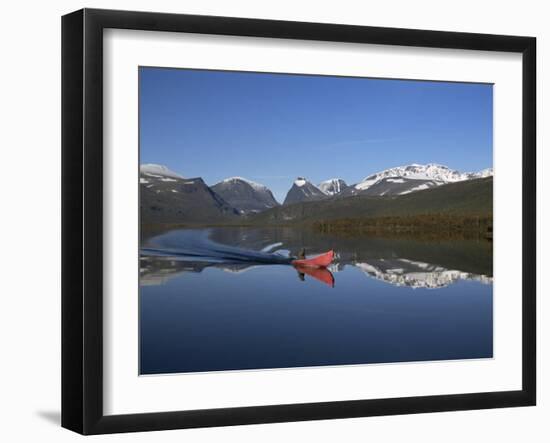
(421, 227)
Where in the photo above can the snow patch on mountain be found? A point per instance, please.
(245, 195)
(256, 186)
(368, 182)
(332, 186)
(416, 188)
(482, 174)
(303, 190)
(153, 169)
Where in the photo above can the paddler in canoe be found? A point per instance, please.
(319, 261)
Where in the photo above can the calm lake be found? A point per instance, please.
(209, 303)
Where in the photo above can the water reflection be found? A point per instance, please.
(399, 262)
(227, 299)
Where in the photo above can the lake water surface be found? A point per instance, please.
(208, 302)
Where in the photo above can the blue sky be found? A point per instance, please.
(271, 128)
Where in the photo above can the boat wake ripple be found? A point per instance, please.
(195, 245)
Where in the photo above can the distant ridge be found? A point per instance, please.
(245, 195)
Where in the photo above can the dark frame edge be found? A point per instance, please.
(529, 219)
(295, 30)
(72, 221)
(308, 411)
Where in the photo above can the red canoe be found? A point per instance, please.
(321, 261)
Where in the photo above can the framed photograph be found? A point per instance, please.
(269, 221)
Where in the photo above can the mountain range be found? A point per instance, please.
(168, 197)
(400, 180)
(469, 198)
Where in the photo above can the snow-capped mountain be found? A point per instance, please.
(414, 172)
(333, 186)
(245, 195)
(303, 190)
(411, 178)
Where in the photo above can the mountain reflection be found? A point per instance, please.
(403, 272)
(397, 272)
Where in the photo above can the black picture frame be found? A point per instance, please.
(82, 218)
